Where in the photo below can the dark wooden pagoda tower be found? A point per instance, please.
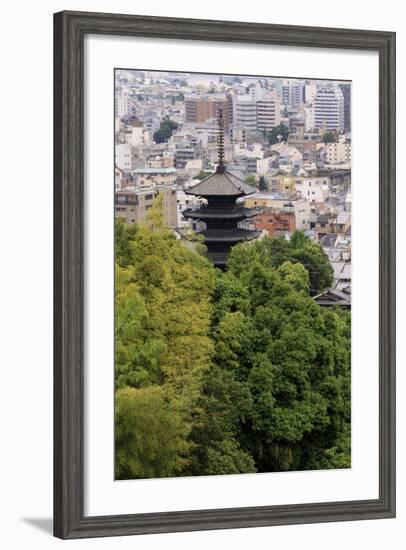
(222, 214)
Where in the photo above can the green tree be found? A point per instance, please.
(298, 372)
(227, 372)
(124, 235)
(151, 435)
(278, 133)
(273, 251)
(329, 137)
(262, 184)
(162, 321)
(251, 180)
(165, 131)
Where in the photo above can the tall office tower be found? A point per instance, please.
(259, 112)
(329, 108)
(245, 112)
(268, 112)
(200, 108)
(292, 93)
(346, 90)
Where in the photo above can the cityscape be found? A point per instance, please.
(233, 273)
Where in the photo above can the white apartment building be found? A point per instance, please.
(309, 117)
(256, 91)
(329, 108)
(339, 152)
(135, 136)
(124, 104)
(124, 157)
(314, 189)
(292, 93)
(268, 112)
(257, 114)
(301, 208)
(246, 112)
(309, 93)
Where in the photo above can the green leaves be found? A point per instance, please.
(166, 128)
(279, 133)
(272, 251)
(330, 137)
(151, 435)
(227, 372)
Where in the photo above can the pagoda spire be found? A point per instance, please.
(222, 216)
(220, 144)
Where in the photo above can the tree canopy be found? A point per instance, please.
(166, 128)
(277, 134)
(262, 184)
(226, 372)
(329, 137)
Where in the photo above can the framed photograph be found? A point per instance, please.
(224, 275)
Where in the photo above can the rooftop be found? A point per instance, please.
(205, 213)
(334, 297)
(229, 235)
(154, 170)
(222, 184)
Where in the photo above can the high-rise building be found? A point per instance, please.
(292, 93)
(257, 114)
(346, 90)
(200, 108)
(268, 112)
(246, 112)
(329, 108)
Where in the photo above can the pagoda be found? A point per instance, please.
(222, 215)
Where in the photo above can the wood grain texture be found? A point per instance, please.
(69, 31)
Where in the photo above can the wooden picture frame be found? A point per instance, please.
(70, 29)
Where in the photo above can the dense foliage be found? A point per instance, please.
(226, 372)
(329, 137)
(277, 134)
(166, 128)
(262, 184)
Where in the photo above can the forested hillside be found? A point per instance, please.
(227, 372)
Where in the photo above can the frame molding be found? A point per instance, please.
(69, 31)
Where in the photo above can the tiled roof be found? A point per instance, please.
(221, 184)
(229, 235)
(333, 298)
(205, 213)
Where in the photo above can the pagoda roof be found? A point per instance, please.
(222, 183)
(229, 235)
(206, 213)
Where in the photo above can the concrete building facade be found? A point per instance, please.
(132, 204)
(329, 108)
